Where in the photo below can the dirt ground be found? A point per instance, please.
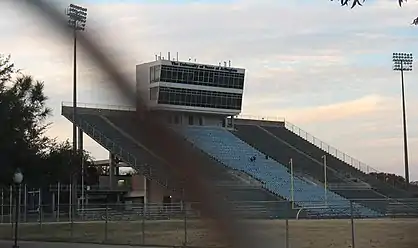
(382, 233)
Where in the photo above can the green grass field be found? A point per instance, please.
(302, 233)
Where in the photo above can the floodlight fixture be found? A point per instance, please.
(77, 17)
(402, 61)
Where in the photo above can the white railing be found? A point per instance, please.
(260, 118)
(117, 149)
(101, 138)
(315, 141)
(329, 149)
(99, 106)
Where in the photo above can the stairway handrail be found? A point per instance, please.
(114, 144)
(121, 150)
(260, 118)
(330, 149)
(344, 157)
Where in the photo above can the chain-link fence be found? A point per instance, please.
(321, 225)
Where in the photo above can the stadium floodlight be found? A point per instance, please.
(403, 62)
(77, 18)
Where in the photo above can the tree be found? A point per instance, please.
(23, 113)
(23, 143)
(61, 164)
(7, 69)
(355, 3)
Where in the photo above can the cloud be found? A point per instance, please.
(332, 112)
(319, 65)
(336, 111)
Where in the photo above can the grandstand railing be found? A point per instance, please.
(327, 148)
(315, 141)
(99, 106)
(330, 149)
(333, 151)
(337, 174)
(108, 143)
(347, 185)
(260, 118)
(118, 150)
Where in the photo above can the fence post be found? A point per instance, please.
(11, 204)
(70, 205)
(40, 215)
(185, 226)
(25, 208)
(287, 225)
(53, 207)
(143, 224)
(72, 220)
(40, 211)
(19, 206)
(2, 204)
(185, 217)
(353, 241)
(58, 201)
(106, 221)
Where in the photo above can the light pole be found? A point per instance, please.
(77, 17)
(403, 62)
(17, 179)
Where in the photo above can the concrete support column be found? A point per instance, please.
(112, 168)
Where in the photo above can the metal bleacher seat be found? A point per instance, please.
(235, 153)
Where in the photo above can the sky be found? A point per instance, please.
(324, 68)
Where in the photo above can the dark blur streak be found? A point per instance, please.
(182, 159)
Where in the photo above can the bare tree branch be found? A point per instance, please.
(359, 2)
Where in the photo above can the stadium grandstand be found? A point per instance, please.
(266, 166)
